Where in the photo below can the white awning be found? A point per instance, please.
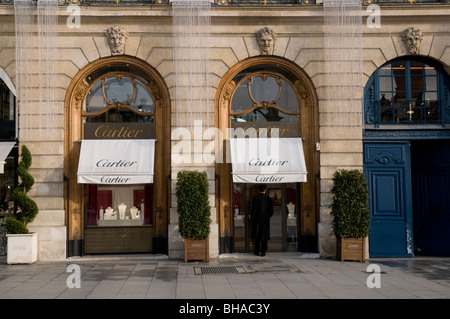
(267, 160)
(5, 149)
(116, 161)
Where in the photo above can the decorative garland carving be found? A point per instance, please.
(80, 93)
(228, 93)
(302, 91)
(385, 158)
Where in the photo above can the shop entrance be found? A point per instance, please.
(264, 98)
(283, 224)
(116, 167)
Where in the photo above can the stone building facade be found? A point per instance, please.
(146, 47)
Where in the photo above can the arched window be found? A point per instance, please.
(408, 91)
(119, 96)
(263, 98)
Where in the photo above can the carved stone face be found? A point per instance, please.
(412, 39)
(116, 37)
(265, 40)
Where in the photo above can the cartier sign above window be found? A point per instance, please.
(113, 131)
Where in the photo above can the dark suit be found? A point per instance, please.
(262, 210)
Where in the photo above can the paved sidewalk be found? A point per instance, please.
(232, 276)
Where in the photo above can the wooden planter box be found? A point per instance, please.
(22, 248)
(351, 249)
(196, 249)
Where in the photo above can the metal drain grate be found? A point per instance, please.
(245, 269)
(219, 270)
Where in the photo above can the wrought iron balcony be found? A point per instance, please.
(235, 2)
(397, 2)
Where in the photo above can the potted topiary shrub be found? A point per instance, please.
(22, 245)
(350, 212)
(194, 213)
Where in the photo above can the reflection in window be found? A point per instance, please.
(7, 116)
(254, 90)
(265, 104)
(407, 91)
(119, 205)
(119, 98)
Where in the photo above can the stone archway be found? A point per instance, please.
(74, 200)
(309, 131)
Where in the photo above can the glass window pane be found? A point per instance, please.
(264, 90)
(94, 99)
(398, 68)
(385, 84)
(118, 205)
(142, 101)
(399, 83)
(430, 97)
(241, 99)
(386, 99)
(400, 98)
(288, 99)
(416, 68)
(417, 83)
(431, 83)
(386, 70)
(400, 114)
(118, 90)
(417, 98)
(430, 70)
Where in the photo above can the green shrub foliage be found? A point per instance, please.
(350, 204)
(27, 208)
(193, 206)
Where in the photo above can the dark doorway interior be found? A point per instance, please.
(430, 170)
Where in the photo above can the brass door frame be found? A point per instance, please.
(73, 133)
(309, 131)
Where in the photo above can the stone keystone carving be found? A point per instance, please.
(412, 38)
(116, 37)
(266, 40)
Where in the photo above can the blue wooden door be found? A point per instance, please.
(431, 197)
(387, 167)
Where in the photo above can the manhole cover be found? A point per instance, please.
(219, 270)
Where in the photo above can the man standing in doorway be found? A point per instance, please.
(262, 210)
